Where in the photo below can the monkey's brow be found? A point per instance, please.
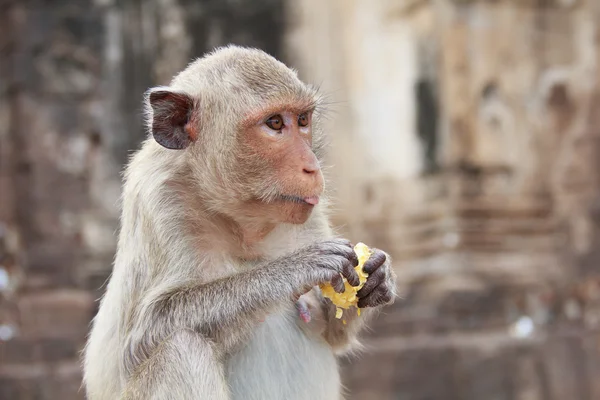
(296, 108)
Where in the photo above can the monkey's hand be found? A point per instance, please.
(380, 287)
(378, 290)
(327, 261)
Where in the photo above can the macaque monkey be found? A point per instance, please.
(223, 243)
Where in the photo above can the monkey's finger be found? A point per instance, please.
(343, 242)
(348, 253)
(330, 244)
(353, 259)
(375, 261)
(350, 274)
(380, 296)
(338, 283)
(335, 247)
(373, 281)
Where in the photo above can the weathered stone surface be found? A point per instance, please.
(72, 78)
(55, 314)
(465, 143)
(497, 224)
(41, 382)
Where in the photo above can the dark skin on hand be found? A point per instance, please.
(376, 290)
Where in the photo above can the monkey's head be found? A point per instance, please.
(242, 126)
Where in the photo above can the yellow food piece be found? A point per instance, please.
(348, 299)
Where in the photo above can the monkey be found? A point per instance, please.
(224, 239)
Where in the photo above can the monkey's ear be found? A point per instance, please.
(171, 113)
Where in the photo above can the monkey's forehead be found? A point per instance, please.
(242, 71)
(266, 84)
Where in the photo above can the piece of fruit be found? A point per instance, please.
(348, 298)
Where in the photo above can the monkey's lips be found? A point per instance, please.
(311, 200)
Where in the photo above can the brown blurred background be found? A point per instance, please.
(465, 141)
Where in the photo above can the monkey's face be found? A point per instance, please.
(257, 166)
(284, 173)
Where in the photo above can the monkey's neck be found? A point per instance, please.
(244, 238)
(251, 236)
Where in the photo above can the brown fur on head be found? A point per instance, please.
(214, 114)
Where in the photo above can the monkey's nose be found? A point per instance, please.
(309, 163)
(311, 169)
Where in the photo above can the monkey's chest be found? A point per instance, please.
(282, 362)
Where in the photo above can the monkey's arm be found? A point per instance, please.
(227, 310)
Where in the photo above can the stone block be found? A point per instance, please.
(58, 314)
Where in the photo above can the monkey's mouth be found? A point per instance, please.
(311, 200)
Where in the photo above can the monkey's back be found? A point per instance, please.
(103, 354)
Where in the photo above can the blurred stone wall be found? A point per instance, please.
(72, 77)
(464, 142)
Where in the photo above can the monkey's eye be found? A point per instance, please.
(303, 120)
(275, 122)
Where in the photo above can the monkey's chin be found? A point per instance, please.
(296, 213)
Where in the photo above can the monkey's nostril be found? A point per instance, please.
(310, 168)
